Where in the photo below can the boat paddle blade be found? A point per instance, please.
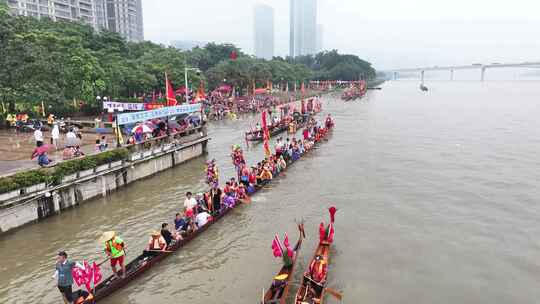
(334, 293)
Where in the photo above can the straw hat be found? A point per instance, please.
(281, 277)
(156, 233)
(106, 236)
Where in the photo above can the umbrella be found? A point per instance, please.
(141, 129)
(40, 150)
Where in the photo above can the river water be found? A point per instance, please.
(438, 201)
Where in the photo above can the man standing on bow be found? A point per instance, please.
(63, 274)
(115, 249)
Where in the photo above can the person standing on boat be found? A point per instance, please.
(189, 204)
(115, 249)
(63, 274)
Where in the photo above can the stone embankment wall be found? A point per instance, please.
(52, 201)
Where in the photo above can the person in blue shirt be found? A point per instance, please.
(180, 223)
(63, 274)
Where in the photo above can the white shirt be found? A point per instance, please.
(190, 203)
(55, 133)
(38, 135)
(71, 135)
(202, 218)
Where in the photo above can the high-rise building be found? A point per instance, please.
(303, 27)
(121, 16)
(320, 41)
(125, 17)
(57, 10)
(264, 31)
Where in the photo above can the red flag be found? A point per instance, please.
(97, 273)
(287, 246)
(171, 99)
(322, 232)
(276, 247)
(332, 211)
(233, 55)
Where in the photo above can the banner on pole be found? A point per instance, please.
(126, 106)
(128, 118)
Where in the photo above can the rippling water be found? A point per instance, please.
(438, 196)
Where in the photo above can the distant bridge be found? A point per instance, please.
(479, 66)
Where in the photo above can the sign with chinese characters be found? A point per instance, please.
(126, 106)
(129, 118)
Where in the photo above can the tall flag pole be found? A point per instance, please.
(171, 99)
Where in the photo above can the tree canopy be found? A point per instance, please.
(59, 62)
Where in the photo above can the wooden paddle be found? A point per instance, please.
(104, 261)
(334, 293)
(166, 251)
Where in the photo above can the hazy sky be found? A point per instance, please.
(388, 33)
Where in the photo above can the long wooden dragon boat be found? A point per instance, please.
(278, 291)
(145, 261)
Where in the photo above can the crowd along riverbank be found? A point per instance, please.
(77, 181)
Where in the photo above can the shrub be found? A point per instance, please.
(7, 185)
(56, 173)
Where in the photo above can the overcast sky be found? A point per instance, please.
(388, 33)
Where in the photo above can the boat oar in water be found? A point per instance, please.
(334, 292)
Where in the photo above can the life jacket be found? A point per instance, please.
(156, 243)
(317, 270)
(115, 247)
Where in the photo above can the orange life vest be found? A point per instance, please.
(157, 244)
(317, 270)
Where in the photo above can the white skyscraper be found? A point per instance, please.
(121, 16)
(57, 10)
(303, 27)
(125, 17)
(264, 31)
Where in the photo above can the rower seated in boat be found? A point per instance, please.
(169, 236)
(181, 224)
(202, 218)
(156, 243)
(278, 286)
(317, 270)
(265, 174)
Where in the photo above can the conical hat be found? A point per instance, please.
(107, 236)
